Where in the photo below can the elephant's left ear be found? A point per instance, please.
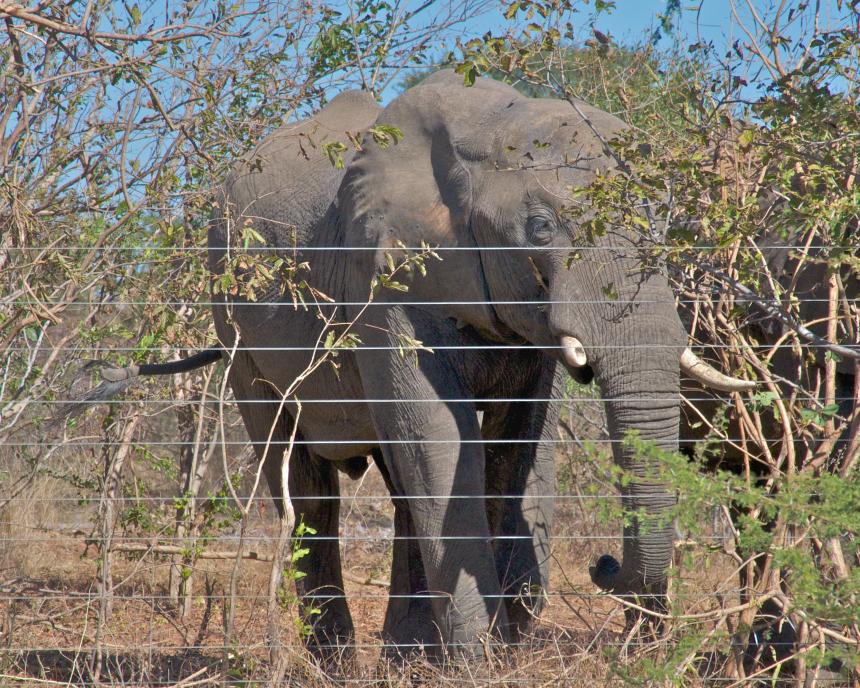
(417, 192)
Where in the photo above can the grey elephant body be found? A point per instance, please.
(477, 170)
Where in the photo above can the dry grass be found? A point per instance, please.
(38, 507)
(50, 612)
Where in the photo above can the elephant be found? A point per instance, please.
(484, 175)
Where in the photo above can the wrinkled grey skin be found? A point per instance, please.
(467, 175)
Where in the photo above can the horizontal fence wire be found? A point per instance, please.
(377, 538)
(214, 647)
(388, 304)
(471, 680)
(358, 442)
(145, 598)
(214, 401)
(340, 498)
(420, 347)
(418, 249)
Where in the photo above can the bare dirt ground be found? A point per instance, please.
(49, 610)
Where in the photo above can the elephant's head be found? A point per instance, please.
(486, 168)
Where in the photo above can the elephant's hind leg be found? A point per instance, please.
(314, 492)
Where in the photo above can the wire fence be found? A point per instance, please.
(146, 551)
(491, 481)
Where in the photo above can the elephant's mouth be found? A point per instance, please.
(575, 359)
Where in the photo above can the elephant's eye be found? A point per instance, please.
(540, 228)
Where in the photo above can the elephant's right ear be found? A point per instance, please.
(421, 186)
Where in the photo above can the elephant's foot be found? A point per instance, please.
(411, 633)
(409, 630)
(643, 622)
(332, 646)
(328, 630)
(468, 644)
(397, 669)
(412, 630)
(524, 606)
(523, 582)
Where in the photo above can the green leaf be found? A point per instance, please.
(763, 400)
(610, 292)
(253, 234)
(513, 8)
(746, 138)
(385, 135)
(469, 72)
(819, 415)
(335, 150)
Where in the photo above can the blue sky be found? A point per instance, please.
(631, 19)
(711, 18)
(711, 22)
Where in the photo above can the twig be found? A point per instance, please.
(177, 549)
(189, 680)
(623, 166)
(773, 310)
(252, 555)
(13, 10)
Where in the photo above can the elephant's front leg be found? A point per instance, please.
(432, 449)
(521, 470)
(408, 625)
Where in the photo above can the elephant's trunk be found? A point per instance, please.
(645, 401)
(632, 343)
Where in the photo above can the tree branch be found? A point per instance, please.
(773, 309)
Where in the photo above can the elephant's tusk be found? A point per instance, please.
(700, 371)
(573, 352)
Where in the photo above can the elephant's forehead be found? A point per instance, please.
(548, 181)
(553, 187)
(553, 150)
